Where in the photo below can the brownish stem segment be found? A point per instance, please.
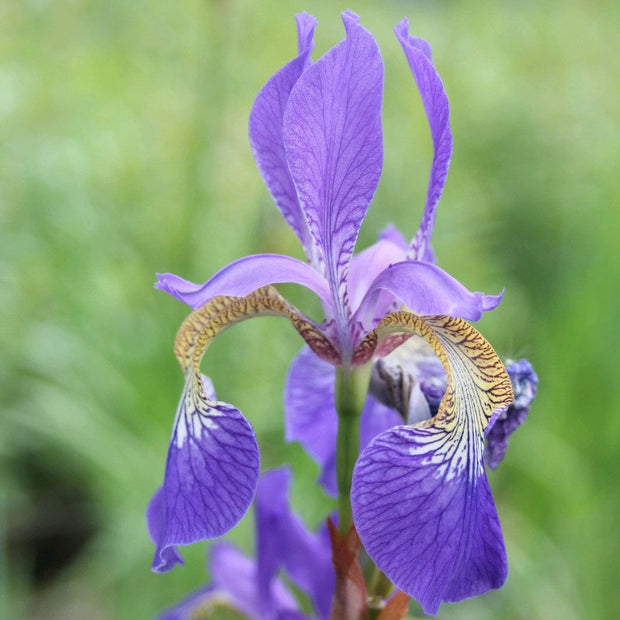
(350, 596)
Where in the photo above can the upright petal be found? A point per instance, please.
(368, 264)
(333, 140)
(265, 129)
(435, 100)
(420, 498)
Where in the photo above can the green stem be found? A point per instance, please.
(351, 390)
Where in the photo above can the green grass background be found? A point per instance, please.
(124, 151)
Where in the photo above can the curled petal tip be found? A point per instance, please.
(490, 302)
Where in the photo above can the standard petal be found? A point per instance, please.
(420, 498)
(425, 289)
(265, 130)
(333, 140)
(367, 265)
(243, 276)
(211, 474)
(435, 100)
(283, 541)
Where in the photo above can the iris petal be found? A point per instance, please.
(333, 139)
(435, 100)
(265, 130)
(425, 289)
(311, 418)
(243, 276)
(420, 497)
(213, 460)
(211, 474)
(283, 541)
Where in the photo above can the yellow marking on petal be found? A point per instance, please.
(203, 325)
(478, 383)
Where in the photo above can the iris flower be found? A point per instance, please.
(421, 501)
(405, 387)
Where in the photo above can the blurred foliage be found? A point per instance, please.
(124, 151)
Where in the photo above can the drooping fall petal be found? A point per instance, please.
(213, 460)
(420, 498)
(211, 475)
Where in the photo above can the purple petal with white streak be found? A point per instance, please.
(435, 100)
(244, 276)
(333, 140)
(265, 130)
(211, 474)
(426, 289)
(419, 495)
(426, 516)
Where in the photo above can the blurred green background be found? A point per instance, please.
(124, 151)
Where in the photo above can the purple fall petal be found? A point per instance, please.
(244, 276)
(238, 576)
(375, 419)
(210, 478)
(425, 513)
(265, 130)
(435, 100)
(419, 495)
(156, 521)
(333, 140)
(426, 289)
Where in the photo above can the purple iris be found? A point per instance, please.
(420, 497)
(253, 587)
(406, 386)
